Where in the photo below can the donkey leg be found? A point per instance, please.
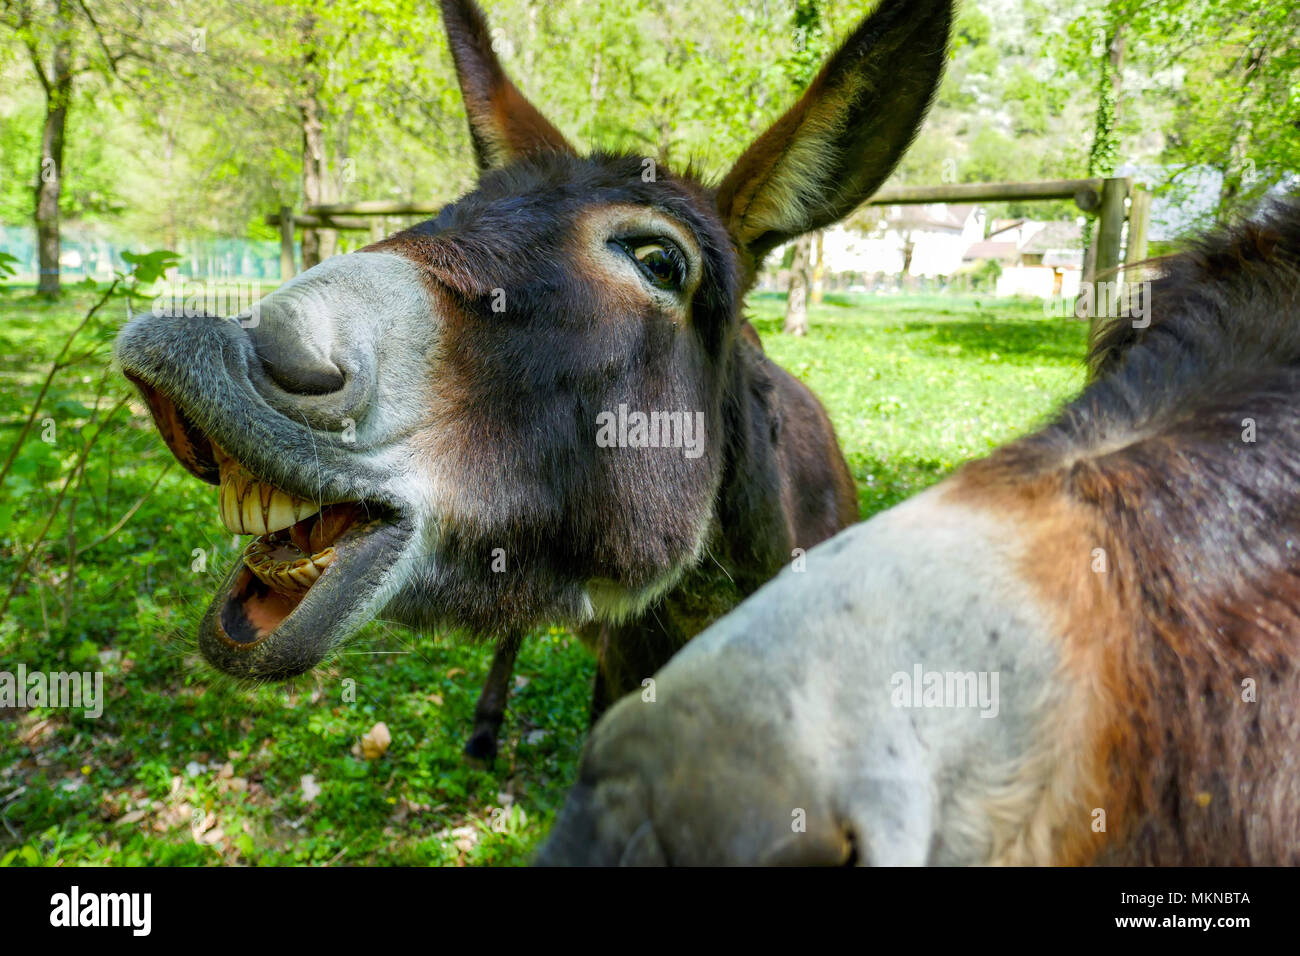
(491, 707)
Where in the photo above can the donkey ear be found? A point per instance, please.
(835, 147)
(502, 123)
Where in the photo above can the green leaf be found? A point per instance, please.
(150, 266)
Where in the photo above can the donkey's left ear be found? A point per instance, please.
(835, 147)
(502, 123)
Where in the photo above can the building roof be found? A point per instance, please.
(933, 216)
(992, 249)
(1054, 237)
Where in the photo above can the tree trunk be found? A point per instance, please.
(796, 304)
(313, 148)
(49, 178)
(909, 250)
(1104, 154)
(1238, 169)
(819, 267)
(317, 244)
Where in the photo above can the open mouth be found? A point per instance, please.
(312, 574)
(293, 549)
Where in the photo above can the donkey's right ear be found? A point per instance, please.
(502, 123)
(835, 147)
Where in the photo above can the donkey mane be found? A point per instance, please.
(1225, 299)
(1180, 462)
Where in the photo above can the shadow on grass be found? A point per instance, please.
(1057, 342)
(1060, 341)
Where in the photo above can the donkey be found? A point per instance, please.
(414, 430)
(1125, 582)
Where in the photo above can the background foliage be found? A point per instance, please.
(198, 128)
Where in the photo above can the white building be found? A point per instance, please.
(1038, 259)
(919, 240)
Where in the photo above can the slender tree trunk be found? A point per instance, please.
(1104, 154)
(49, 181)
(796, 303)
(312, 151)
(1238, 170)
(314, 241)
(819, 266)
(909, 250)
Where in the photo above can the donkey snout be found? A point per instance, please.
(656, 789)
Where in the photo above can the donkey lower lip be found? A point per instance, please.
(276, 615)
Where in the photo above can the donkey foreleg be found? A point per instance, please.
(491, 707)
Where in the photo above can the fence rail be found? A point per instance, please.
(1112, 201)
(1086, 193)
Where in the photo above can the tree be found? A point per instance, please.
(1215, 81)
(801, 66)
(796, 303)
(65, 40)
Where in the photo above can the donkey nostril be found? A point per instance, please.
(294, 356)
(305, 377)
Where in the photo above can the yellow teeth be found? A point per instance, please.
(249, 507)
(293, 576)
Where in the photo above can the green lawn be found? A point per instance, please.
(185, 768)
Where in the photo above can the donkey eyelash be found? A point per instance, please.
(631, 245)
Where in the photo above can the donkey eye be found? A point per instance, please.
(661, 261)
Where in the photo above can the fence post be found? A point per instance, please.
(1110, 225)
(1139, 223)
(1103, 256)
(287, 270)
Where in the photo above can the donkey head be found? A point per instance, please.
(415, 429)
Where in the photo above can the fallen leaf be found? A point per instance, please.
(375, 742)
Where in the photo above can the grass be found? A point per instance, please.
(186, 768)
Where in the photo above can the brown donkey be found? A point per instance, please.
(543, 405)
